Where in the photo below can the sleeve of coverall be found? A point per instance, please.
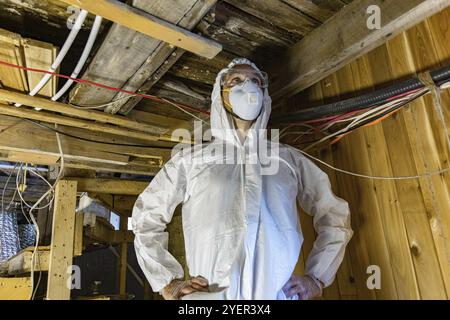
(331, 219)
(152, 211)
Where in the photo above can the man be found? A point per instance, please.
(241, 227)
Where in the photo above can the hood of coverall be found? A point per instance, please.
(222, 125)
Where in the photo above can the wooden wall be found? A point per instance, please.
(401, 226)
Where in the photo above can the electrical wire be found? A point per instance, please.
(381, 113)
(419, 176)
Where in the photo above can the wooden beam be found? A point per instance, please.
(123, 253)
(154, 27)
(159, 62)
(343, 38)
(10, 52)
(104, 233)
(24, 142)
(74, 122)
(78, 237)
(93, 115)
(21, 263)
(111, 186)
(39, 55)
(151, 171)
(61, 249)
(120, 204)
(15, 288)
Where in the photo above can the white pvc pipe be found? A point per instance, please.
(67, 44)
(87, 49)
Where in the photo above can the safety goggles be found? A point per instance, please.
(236, 77)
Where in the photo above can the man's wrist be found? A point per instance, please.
(319, 283)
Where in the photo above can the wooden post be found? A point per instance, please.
(123, 247)
(61, 249)
(78, 236)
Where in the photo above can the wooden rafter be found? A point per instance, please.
(342, 39)
(152, 26)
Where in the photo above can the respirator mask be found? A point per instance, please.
(245, 93)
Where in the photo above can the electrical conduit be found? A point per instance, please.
(65, 48)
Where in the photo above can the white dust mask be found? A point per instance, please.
(246, 100)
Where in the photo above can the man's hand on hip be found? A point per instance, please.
(304, 286)
(179, 288)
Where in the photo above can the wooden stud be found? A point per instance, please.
(61, 249)
(123, 252)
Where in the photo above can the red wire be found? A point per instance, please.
(96, 84)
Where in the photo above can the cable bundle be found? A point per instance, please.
(335, 127)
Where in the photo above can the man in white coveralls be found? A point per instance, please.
(241, 227)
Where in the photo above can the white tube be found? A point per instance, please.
(83, 58)
(67, 44)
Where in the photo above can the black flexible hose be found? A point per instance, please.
(374, 98)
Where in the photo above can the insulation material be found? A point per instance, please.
(27, 236)
(9, 235)
(90, 206)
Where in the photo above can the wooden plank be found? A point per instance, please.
(278, 13)
(61, 250)
(386, 192)
(111, 186)
(65, 109)
(120, 204)
(159, 62)
(432, 151)
(151, 171)
(10, 52)
(318, 54)
(31, 144)
(152, 26)
(39, 55)
(104, 233)
(73, 122)
(314, 9)
(78, 237)
(372, 247)
(122, 262)
(15, 288)
(21, 263)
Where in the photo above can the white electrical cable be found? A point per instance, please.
(65, 48)
(185, 111)
(424, 175)
(419, 176)
(51, 189)
(86, 51)
(20, 192)
(98, 106)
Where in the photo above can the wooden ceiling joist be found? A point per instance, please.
(99, 116)
(21, 141)
(146, 59)
(152, 26)
(73, 122)
(343, 38)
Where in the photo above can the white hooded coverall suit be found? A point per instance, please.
(241, 228)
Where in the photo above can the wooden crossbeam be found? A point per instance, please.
(154, 27)
(65, 109)
(343, 38)
(111, 186)
(74, 122)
